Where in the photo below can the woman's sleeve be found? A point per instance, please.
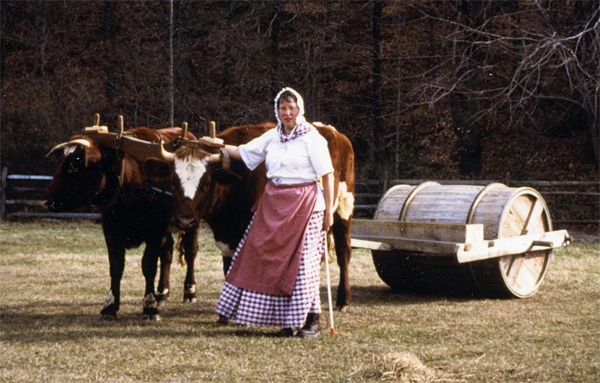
(254, 152)
(319, 155)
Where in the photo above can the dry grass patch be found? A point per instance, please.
(402, 367)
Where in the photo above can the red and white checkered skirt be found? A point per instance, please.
(259, 309)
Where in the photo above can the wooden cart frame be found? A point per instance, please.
(418, 237)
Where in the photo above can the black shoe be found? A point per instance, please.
(223, 320)
(285, 332)
(312, 328)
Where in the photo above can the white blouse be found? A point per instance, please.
(303, 159)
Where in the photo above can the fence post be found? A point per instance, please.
(385, 181)
(3, 183)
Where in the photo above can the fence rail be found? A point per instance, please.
(21, 197)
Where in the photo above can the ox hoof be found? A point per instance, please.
(189, 293)
(150, 308)
(151, 317)
(343, 309)
(223, 320)
(107, 317)
(161, 300)
(162, 297)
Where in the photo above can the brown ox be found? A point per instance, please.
(136, 212)
(203, 189)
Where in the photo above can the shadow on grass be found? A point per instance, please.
(55, 322)
(52, 322)
(26, 328)
(384, 295)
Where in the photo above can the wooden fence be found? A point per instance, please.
(570, 202)
(21, 197)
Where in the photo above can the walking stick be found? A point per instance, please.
(331, 326)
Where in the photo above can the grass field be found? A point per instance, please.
(54, 278)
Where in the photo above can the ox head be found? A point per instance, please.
(80, 175)
(198, 175)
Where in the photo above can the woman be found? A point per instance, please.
(274, 277)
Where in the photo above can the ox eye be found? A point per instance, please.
(75, 165)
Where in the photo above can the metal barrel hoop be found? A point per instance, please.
(412, 195)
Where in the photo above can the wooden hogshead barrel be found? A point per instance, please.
(504, 212)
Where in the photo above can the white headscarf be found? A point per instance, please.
(300, 119)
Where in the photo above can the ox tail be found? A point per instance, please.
(180, 251)
(344, 203)
(330, 247)
(343, 206)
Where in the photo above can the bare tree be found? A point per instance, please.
(437, 83)
(525, 65)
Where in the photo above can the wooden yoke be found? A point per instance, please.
(96, 128)
(121, 127)
(212, 129)
(139, 149)
(142, 150)
(184, 131)
(212, 140)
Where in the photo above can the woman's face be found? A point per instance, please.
(288, 111)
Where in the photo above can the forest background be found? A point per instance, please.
(456, 89)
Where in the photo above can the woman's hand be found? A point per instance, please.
(327, 180)
(327, 220)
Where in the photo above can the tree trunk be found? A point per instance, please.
(41, 39)
(109, 29)
(398, 102)
(377, 150)
(185, 74)
(275, 52)
(464, 106)
(585, 14)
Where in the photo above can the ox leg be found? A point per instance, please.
(189, 243)
(341, 234)
(116, 260)
(226, 263)
(166, 258)
(149, 268)
(227, 253)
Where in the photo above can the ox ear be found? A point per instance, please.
(92, 155)
(158, 171)
(226, 177)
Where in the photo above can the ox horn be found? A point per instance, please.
(165, 154)
(79, 141)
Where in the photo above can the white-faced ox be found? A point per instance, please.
(133, 211)
(205, 190)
